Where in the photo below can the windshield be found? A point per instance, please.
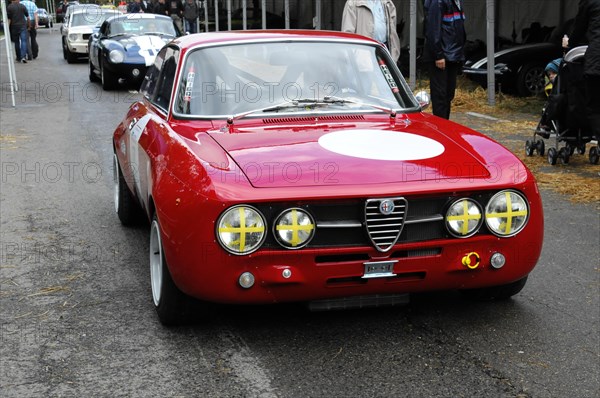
(228, 80)
(92, 17)
(142, 26)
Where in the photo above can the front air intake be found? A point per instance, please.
(384, 219)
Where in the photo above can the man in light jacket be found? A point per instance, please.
(375, 19)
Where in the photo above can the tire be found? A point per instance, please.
(109, 81)
(64, 48)
(530, 80)
(594, 155)
(540, 147)
(93, 77)
(172, 306)
(564, 155)
(126, 207)
(70, 57)
(528, 148)
(501, 292)
(552, 156)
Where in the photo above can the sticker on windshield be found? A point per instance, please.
(189, 85)
(388, 76)
(381, 145)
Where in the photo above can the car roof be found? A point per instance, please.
(233, 36)
(96, 12)
(121, 16)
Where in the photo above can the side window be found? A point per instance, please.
(148, 87)
(103, 29)
(166, 78)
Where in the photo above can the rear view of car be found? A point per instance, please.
(44, 19)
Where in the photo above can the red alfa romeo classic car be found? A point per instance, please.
(279, 166)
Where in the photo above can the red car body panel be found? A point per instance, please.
(188, 172)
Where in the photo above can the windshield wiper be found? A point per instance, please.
(330, 99)
(299, 103)
(276, 108)
(158, 34)
(308, 103)
(122, 34)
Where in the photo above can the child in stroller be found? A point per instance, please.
(563, 117)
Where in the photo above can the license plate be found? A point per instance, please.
(379, 269)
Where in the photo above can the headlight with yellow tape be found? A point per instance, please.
(506, 213)
(463, 218)
(294, 228)
(241, 229)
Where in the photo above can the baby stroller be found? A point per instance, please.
(563, 117)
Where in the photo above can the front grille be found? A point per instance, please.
(384, 220)
(343, 223)
(86, 36)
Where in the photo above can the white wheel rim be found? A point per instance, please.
(156, 262)
(116, 182)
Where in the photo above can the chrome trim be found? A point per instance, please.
(439, 217)
(356, 224)
(339, 224)
(375, 221)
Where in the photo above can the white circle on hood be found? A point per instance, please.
(381, 145)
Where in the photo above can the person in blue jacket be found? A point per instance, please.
(445, 39)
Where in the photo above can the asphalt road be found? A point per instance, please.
(77, 318)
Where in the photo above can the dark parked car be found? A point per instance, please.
(44, 19)
(126, 45)
(520, 69)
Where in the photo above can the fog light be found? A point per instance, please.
(498, 260)
(246, 280)
(135, 72)
(286, 273)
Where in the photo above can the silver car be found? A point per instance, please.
(78, 28)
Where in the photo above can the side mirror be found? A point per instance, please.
(423, 99)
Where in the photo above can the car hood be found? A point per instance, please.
(369, 153)
(79, 29)
(146, 46)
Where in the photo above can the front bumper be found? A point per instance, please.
(284, 276)
(78, 46)
(128, 71)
